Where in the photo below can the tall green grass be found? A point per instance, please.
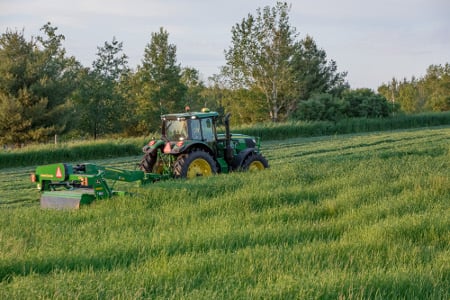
(353, 217)
(74, 151)
(278, 131)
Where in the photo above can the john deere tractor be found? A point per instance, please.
(190, 146)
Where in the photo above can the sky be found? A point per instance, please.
(373, 41)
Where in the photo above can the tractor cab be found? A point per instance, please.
(183, 132)
(190, 126)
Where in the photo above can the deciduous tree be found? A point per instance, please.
(260, 54)
(429, 93)
(314, 73)
(265, 56)
(101, 105)
(195, 87)
(160, 89)
(437, 85)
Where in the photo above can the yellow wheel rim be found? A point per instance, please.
(256, 166)
(198, 167)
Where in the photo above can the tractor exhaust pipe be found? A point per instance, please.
(229, 157)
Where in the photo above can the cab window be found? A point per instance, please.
(207, 128)
(196, 133)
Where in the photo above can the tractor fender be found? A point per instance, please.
(240, 158)
(199, 145)
(152, 148)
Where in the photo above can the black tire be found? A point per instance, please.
(194, 164)
(255, 162)
(148, 162)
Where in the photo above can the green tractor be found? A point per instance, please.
(190, 147)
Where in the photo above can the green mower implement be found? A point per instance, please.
(66, 186)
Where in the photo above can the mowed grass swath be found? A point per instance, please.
(356, 216)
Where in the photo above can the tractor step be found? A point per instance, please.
(71, 199)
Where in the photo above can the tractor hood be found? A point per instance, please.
(242, 141)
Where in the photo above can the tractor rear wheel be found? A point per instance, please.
(255, 162)
(194, 164)
(148, 162)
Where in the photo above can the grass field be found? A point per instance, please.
(338, 217)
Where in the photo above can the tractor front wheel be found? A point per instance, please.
(194, 164)
(255, 162)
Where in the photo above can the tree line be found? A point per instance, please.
(430, 93)
(270, 74)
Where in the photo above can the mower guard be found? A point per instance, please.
(71, 199)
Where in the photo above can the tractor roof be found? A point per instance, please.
(191, 115)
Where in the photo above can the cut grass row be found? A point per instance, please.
(360, 216)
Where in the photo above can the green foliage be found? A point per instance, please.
(262, 47)
(362, 216)
(360, 103)
(246, 106)
(45, 154)
(269, 75)
(430, 93)
(194, 96)
(100, 104)
(314, 73)
(266, 57)
(158, 83)
(321, 107)
(437, 82)
(37, 81)
(365, 103)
